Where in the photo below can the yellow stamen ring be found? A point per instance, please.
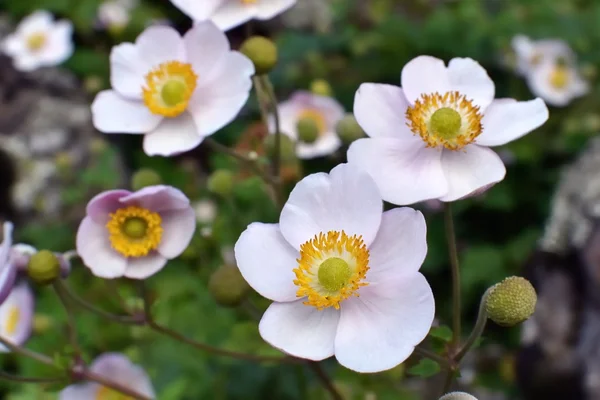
(134, 231)
(169, 88)
(36, 41)
(559, 77)
(449, 120)
(331, 268)
(12, 322)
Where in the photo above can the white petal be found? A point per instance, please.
(272, 8)
(380, 329)
(380, 110)
(93, 246)
(424, 75)
(206, 47)
(39, 21)
(471, 79)
(506, 120)
(79, 392)
(300, 330)
(266, 261)
(400, 246)
(470, 170)
(112, 113)
(232, 13)
(346, 199)
(127, 70)
(405, 171)
(60, 44)
(173, 136)
(144, 267)
(232, 77)
(197, 10)
(539, 83)
(324, 146)
(178, 230)
(14, 45)
(524, 50)
(120, 369)
(21, 297)
(27, 62)
(159, 44)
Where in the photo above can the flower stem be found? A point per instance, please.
(452, 252)
(71, 324)
(28, 379)
(423, 352)
(478, 329)
(325, 380)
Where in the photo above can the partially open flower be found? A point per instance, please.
(21, 254)
(8, 270)
(134, 234)
(16, 316)
(116, 368)
(39, 42)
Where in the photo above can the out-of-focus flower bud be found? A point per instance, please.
(287, 146)
(145, 177)
(321, 87)
(221, 182)
(227, 286)
(262, 52)
(43, 267)
(348, 129)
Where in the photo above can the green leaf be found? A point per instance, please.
(441, 332)
(425, 368)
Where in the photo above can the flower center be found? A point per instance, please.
(449, 120)
(134, 231)
(316, 116)
(105, 393)
(249, 1)
(14, 315)
(169, 88)
(36, 41)
(332, 267)
(559, 78)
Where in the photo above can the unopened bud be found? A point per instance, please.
(511, 301)
(458, 396)
(348, 129)
(145, 177)
(262, 52)
(308, 130)
(321, 87)
(221, 182)
(42, 323)
(227, 286)
(287, 147)
(43, 267)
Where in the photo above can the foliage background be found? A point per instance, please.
(364, 41)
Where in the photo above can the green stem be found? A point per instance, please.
(478, 329)
(325, 380)
(431, 355)
(452, 252)
(28, 379)
(71, 324)
(268, 87)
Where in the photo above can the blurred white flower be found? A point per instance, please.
(16, 316)
(39, 41)
(228, 14)
(206, 211)
(115, 14)
(174, 90)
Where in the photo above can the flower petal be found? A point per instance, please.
(233, 77)
(300, 330)
(127, 70)
(470, 170)
(405, 171)
(79, 391)
(105, 203)
(158, 198)
(506, 120)
(346, 199)
(391, 105)
(424, 75)
(469, 78)
(144, 267)
(8, 276)
(231, 14)
(197, 10)
(400, 246)
(60, 44)
(380, 329)
(266, 261)
(93, 246)
(159, 44)
(39, 21)
(172, 136)
(212, 114)
(118, 368)
(327, 144)
(206, 47)
(178, 230)
(21, 298)
(112, 113)
(270, 9)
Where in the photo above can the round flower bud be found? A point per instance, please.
(458, 396)
(43, 267)
(308, 130)
(287, 147)
(321, 87)
(348, 129)
(511, 301)
(145, 177)
(262, 52)
(227, 286)
(221, 182)
(42, 323)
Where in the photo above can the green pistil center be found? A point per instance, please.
(173, 92)
(334, 273)
(446, 123)
(135, 227)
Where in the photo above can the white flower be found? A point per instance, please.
(8, 270)
(550, 69)
(333, 244)
(176, 91)
(39, 42)
(115, 14)
(228, 14)
(16, 316)
(324, 111)
(429, 139)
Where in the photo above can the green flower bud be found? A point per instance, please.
(42, 323)
(43, 267)
(145, 177)
(348, 129)
(458, 396)
(287, 146)
(308, 130)
(511, 301)
(227, 286)
(321, 87)
(262, 52)
(221, 182)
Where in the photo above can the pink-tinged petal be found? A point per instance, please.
(212, 114)
(424, 75)
(405, 171)
(105, 203)
(197, 10)
(7, 241)
(8, 276)
(345, 200)
(469, 78)
(231, 14)
(506, 120)
(120, 369)
(127, 70)
(93, 246)
(324, 146)
(20, 255)
(144, 267)
(206, 47)
(380, 110)
(266, 261)
(300, 330)
(178, 230)
(82, 391)
(172, 136)
(159, 198)
(470, 170)
(159, 44)
(39, 21)
(112, 113)
(400, 246)
(21, 298)
(380, 329)
(270, 9)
